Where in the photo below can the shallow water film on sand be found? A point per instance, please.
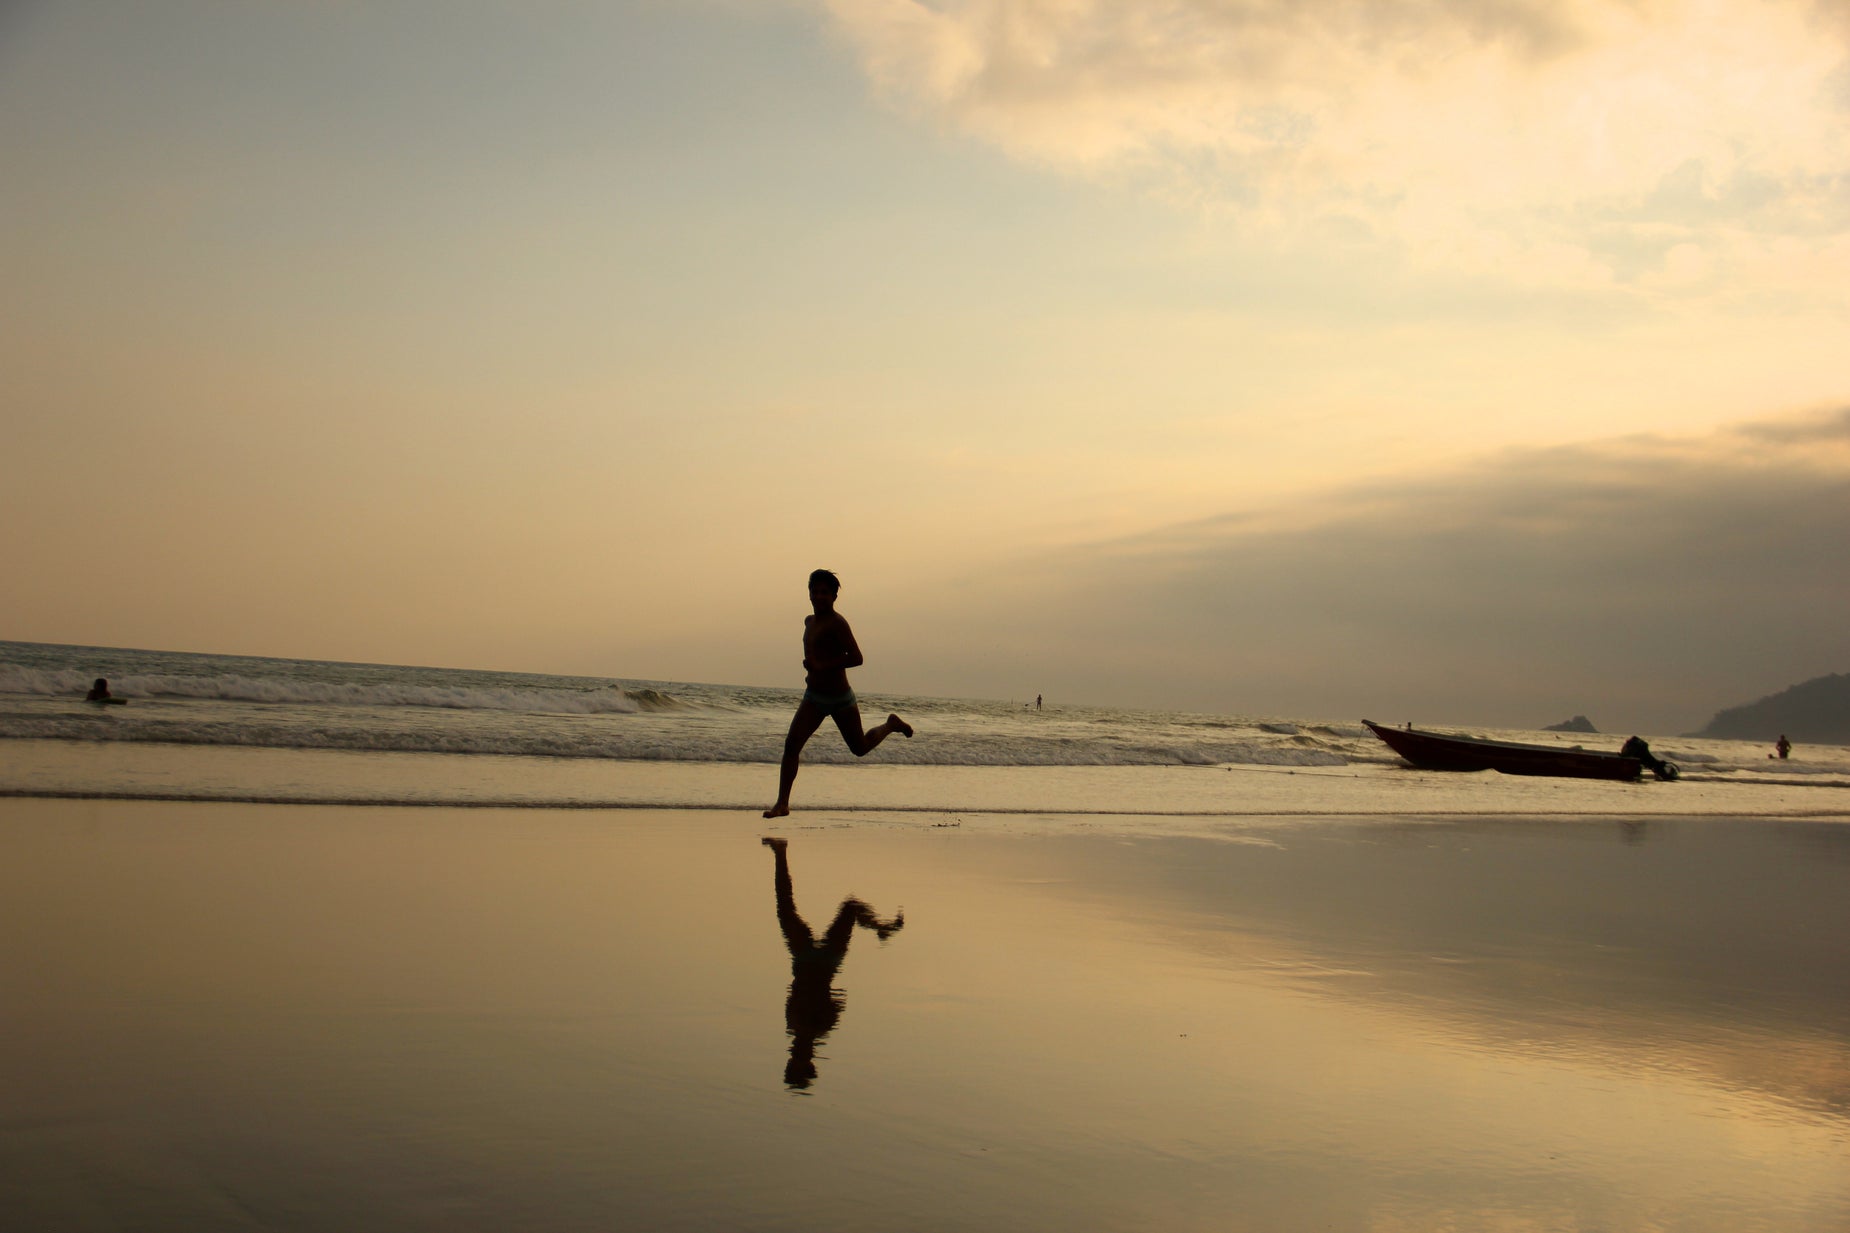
(278, 951)
(234, 1016)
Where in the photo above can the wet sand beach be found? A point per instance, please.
(234, 1016)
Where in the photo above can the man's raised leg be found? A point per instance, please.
(860, 743)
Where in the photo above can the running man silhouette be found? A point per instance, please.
(815, 1004)
(829, 650)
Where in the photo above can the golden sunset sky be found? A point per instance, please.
(1477, 361)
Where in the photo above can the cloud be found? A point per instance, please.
(1831, 430)
(1574, 142)
(1644, 581)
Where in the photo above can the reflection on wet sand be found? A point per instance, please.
(1691, 948)
(221, 1017)
(815, 1004)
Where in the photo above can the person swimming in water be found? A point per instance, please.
(829, 650)
(99, 692)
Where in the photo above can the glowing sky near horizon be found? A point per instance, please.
(1310, 359)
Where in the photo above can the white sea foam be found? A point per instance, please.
(742, 742)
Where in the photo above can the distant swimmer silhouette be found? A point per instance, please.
(1784, 746)
(99, 692)
(829, 650)
(815, 1004)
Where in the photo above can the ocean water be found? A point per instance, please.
(200, 726)
(191, 699)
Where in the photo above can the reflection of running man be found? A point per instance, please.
(814, 1003)
(829, 650)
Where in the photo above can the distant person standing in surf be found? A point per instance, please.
(829, 650)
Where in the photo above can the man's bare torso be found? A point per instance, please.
(825, 638)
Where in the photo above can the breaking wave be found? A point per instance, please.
(288, 691)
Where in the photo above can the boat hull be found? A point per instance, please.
(1438, 751)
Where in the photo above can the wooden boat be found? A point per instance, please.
(1439, 751)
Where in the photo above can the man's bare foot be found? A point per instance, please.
(899, 725)
(775, 843)
(779, 810)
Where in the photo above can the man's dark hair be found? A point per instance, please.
(825, 579)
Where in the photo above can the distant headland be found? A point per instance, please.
(1816, 712)
(1579, 723)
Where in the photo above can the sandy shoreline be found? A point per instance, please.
(146, 771)
(310, 1017)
